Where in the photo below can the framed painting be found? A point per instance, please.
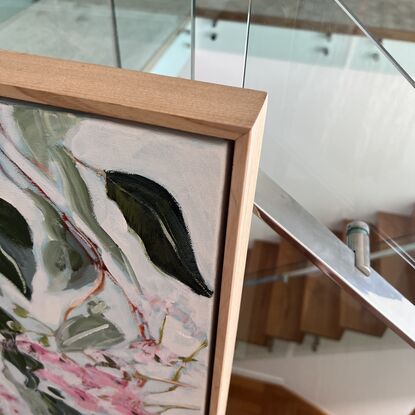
(125, 206)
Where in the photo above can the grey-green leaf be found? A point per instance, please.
(42, 128)
(154, 214)
(17, 262)
(65, 259)
(94, 331)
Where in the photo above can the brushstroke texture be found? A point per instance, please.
(154, 214)
(80, 332)
(67, 263)
(41, 129)
(17, 262)
(80, 200)
(93, 361)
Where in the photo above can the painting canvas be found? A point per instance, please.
(111, 245)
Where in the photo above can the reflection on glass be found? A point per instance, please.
(340, 138)
(154, 35)
(392, 23)
(9, 8)
(221, 41)
(70, 29)
(142, 35)
(339, 122)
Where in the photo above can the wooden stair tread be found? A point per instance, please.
(262, 259)
(321, 307)
(284, 316)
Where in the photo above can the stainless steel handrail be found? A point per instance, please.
(332, 257)
(300, 272)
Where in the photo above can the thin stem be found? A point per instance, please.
(185, 360)
(166, 408)
(161, 331)
(97, 287)
(162, 380)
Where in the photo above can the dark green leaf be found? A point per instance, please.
(153, 213)
(12, 272)
(56, 392)
(17, 262)
(5, 319)
(26, 364)
(13, 225)
(57, 406)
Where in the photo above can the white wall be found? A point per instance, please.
(340, 135)
(357, 376)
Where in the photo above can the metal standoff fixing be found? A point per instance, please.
(358, 240)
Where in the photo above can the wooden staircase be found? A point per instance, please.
(312, 304)
(254, 397)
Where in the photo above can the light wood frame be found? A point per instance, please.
(197, 107)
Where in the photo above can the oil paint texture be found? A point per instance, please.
(111, 239)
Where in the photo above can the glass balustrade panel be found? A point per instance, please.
(220, 41)
(339, 138)
(340, 133)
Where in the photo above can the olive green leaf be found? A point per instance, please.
(17, 262)
(44, 340)
(156, 217)
(20, 311)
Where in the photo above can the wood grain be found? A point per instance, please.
(286, 302)
(254, 397)
(355, 316)
(262, 261)
(244, 175)
(197, 107)
(321, 307)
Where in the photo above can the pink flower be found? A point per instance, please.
(82, 398)
(151, 350)
(127, 403)
(89, 387)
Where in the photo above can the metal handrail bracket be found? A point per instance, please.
(334, 258)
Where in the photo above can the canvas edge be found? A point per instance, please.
(242, 192)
